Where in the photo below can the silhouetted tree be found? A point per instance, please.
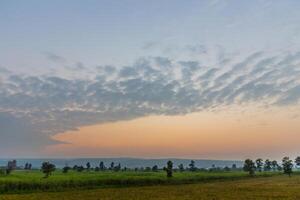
(297, 162)
(102, 166)
(274, 165)
(28, 166)
(249, 166)
(226, 169)
(279, 168)
(117, 168)
(287, 165)
(75, 167)
(155, 168)
(112, 165)
(11, 165)
(48, 168)
(169, 169)
(192, 166)
(88, 165)
(259, 164)
(181, 167)
(148, 169)
(80, 168)
(268, 165)
(66, 169)
(213, 168)
(233, 167)
(8, 170)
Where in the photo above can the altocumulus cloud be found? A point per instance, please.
(32, 108)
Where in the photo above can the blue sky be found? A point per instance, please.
(115, 32)
(68, 64)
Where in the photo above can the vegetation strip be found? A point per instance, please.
(120, 179)
(18, 180)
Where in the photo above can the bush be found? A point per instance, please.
(66, 169)
(48, 168)
(2, 172)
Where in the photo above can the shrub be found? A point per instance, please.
(249, 166)
(48, 168)
(66, 169)
(287, 165)
(2, 172)
(169, 169)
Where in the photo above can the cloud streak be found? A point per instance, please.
(55, 58)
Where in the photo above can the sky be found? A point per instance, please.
(214, 79)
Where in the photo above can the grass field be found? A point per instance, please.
(31, 181)
(264, 188)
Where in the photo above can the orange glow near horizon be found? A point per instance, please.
(214, 135)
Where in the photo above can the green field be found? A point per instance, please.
(128, 185)
(275, 187)
(33, 181)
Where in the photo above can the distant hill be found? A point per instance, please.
(125, 162)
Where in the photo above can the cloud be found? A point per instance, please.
(33, 108)
(149, 45)
(17, 131)
(55, 58)
(291, 96)
(3, 70)
(198, 49)
(79, 66)
(127, 72)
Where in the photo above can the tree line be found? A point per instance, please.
(259, 165)
(48, 168)
(250, 166)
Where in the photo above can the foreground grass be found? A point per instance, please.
(276, 187)
(22, 181)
